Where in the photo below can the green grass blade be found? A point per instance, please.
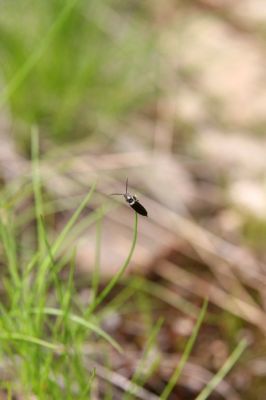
(55, 276)
(30, 265)
(229, 363)
(10, 248)
(69, 292)
(120, 272)
(96, 271)
(176, 374)
(36, 182)
(138, 377)
(82, 322)
(31, 339)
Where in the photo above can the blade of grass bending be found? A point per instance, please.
(176, 374)
(31, 339)
(35, 56)
(59, 241)
(120, 272)
(83, 322)
(232, 359)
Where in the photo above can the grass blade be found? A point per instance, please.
(96, 271)
(176, 374)
(120, 272)
(10, 248)
(138, 378)
(31, 339)
(37, 190)
(82, 322)
(232, 359)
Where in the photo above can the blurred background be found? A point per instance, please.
(172, 95)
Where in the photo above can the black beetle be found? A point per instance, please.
(132, 201)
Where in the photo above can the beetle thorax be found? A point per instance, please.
(130, 199)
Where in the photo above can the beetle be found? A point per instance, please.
(133, 201)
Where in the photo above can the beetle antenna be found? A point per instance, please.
(126, 185)
(117, 194)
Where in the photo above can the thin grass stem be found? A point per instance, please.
(189, 346)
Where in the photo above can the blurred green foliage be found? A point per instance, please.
(96, 67)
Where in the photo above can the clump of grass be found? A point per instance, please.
(42, 333)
